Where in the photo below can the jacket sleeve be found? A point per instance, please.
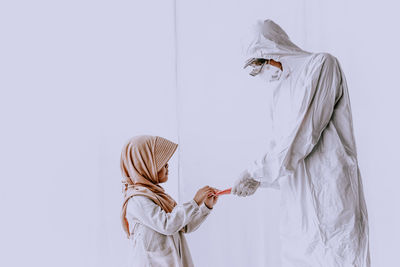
(197, 219)
(153, 216)
(313, 116)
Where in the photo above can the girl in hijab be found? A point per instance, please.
(152, 220)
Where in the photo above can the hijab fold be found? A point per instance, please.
(141, 159)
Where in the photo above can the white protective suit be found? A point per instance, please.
(312, 157)
(158, 238)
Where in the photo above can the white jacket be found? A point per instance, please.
(158, 238)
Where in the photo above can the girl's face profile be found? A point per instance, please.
(163, 174)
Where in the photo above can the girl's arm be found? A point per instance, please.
(197, 219)
(153, 216)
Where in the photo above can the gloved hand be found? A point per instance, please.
(245, 185)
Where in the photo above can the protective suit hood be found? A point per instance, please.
(270, 41)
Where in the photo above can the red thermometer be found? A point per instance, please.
(224, 192)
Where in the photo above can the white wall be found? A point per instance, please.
(78, 78)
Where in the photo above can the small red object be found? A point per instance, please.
(224, 192)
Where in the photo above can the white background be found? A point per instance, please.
(78, 78)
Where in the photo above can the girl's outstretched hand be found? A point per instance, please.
(211, 201)
(203, 193)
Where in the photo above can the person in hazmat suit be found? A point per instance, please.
(312, 155)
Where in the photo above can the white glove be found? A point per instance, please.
(245, 185)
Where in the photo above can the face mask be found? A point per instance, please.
(271, 73)
(262, 66)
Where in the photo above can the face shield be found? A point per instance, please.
(257, 64)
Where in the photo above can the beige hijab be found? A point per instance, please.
(141, 159)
